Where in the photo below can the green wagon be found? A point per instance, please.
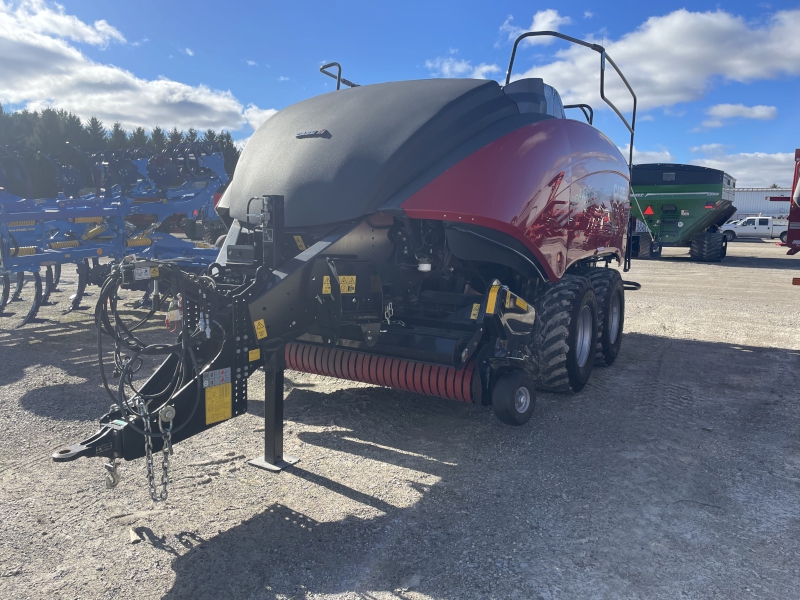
(681, 205)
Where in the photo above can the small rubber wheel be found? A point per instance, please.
(514, 398)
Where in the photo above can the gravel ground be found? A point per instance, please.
(674, 474)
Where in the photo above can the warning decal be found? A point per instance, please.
(261, 329)
(254, 354)
(475, 310)
(300, 243)
(218, 403)
(347, 283)
(326, 284)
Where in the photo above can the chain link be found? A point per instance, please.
(148, 449)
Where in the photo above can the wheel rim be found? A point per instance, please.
(616, 310)
(584, 336)
(522, 399)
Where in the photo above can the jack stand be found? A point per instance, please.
(274, 459)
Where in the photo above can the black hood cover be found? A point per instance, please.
(339, 156)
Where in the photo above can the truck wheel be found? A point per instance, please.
(514, 398)
(729, 235)
(610, 294)
(784, 237)
(708, 247)
(565, 335)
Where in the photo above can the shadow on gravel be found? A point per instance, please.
(641, 482)
(749, 262)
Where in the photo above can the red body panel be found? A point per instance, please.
(793, 233)
(558, 186)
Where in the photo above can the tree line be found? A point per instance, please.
(49, 130)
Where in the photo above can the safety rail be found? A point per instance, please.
(338, 77)
(603, 57)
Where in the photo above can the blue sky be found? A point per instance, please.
(718, 82)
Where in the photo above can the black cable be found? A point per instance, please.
(631, 286)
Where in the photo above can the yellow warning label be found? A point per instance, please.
(522, 304)
(254, 354)
(300, 243)
(347, 283)
(326, 284)
(475, 310)
(261, 329)
(153, 271)
(492, 300)
(218, 403)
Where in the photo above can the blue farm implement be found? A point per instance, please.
(135, 193)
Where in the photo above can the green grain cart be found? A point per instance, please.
(681, 205)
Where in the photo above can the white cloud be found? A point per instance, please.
(454, 67)
(647, 156)
(282, 78)
(720, 112)
(645, 118)
(189, 51)
(754, 169)
(587, 14)
(678, 57)
(252, 63)
(708, 149)
(256, 116)
(543, 20)
(39, 67)
(46, 19)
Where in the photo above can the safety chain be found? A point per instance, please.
(165, 417)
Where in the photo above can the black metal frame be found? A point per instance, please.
(338, 77)
(584, 108)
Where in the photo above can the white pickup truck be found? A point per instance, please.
(756, 227)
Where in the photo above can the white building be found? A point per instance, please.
(750, 202)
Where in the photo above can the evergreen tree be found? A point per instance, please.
(175, 137)
(158, 139)
(138, 138)
(73, 130)
(191, 135)
(118, 138)
(96, 134)
(210, 136)
(49, 135)
(229, 151)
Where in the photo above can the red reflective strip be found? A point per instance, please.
(457, 388)
(387, 372)
(450, 381)
(305, 359)
(441, 382)
(467, 383)
(323, 360)
(380, 365)
(434, 380)
(393, 373)
(425, 379)
(407, 375)
(360, 367)
(351, 366)
(416, 371)
(373, 369)
(288, 352)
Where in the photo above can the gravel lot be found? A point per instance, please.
(674, 474)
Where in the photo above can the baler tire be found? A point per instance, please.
(190, 229)
(708, 247)
(556, 332)
(514, 398)
(607, 284)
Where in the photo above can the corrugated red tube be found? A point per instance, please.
(411, 376)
